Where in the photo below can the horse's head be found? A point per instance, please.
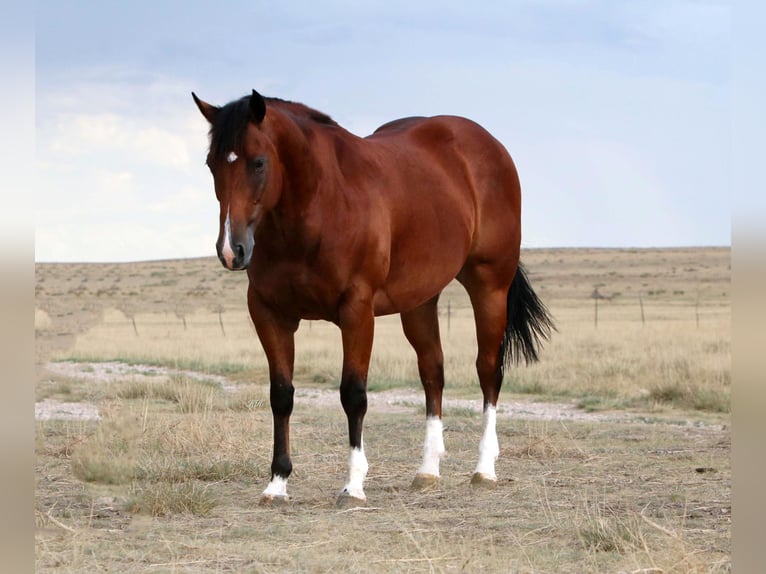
(246, 173)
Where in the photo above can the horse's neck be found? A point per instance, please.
(293, 225)
(311, 178)
(300, 169)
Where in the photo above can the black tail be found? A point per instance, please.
(528, 323)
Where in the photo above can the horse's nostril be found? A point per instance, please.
(240, 251)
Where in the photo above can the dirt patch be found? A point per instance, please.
(390, 401)
(404, 400)
(57, 410)
(114, 371)
(108, 372)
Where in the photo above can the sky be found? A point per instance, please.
(617, 113)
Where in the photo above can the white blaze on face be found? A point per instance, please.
(357, 471)
(277, 487)
(232, 157)
(226, 250)
(489, 449)
(433, 448)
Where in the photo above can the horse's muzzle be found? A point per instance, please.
(235, 256)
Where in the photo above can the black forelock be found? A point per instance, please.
(231, 120)
(229, 126)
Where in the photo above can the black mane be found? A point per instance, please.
(230, 121)
(302, 110)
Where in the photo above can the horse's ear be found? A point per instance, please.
(257, 107)
(208, 110)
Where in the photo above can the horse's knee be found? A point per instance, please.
(281, 397)
(353, 396)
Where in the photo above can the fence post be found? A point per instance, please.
(220, 321)
(595, 312)
(697, 310)
(641, 304)
(219, 309)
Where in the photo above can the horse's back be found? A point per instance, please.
(436, 130)
(398, 125)
(478, 163)
(486, 166)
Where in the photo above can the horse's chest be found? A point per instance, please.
(302, 293)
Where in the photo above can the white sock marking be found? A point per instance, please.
(277, 487)
(357, 470)
(433, 448)
(227, 251)
(489, 448)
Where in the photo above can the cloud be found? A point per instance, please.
(108, 241)
(121, 173)
(110, 135)
(189, 199)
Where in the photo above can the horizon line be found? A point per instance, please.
(562, 248)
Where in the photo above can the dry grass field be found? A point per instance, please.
(154, 432)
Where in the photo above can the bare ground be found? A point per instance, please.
(577, 492)
(389, 401)
(609, 491)
(572, 496)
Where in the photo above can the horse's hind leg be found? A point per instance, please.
(489, 299)
(421, 327)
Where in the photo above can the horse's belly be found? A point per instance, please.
(389, 302)
(426, 254)
(412, 284)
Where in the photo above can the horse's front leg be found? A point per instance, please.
(357, 323)
(277, 335)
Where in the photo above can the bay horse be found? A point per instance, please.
(336, 227)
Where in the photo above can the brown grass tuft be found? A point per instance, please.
(163, 499)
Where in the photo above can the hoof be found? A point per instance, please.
(274, 500)
(345, 500)
(425, 482)
(479, 480)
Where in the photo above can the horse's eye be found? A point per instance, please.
(257, 164)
